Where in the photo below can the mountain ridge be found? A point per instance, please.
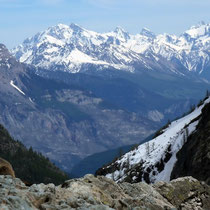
(72, 120)
(75, 49)
(28, 165)
(108, 110)
(154, 160)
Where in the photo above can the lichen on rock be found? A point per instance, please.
(101, 193)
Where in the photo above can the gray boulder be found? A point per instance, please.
(101, 193)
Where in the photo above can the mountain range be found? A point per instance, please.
(63, 121)
(69, 92)
(75, 49)
(75, 94)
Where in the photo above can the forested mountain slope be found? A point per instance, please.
(30, 166)
(183, 143)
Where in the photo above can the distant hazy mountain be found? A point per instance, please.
(75, 49)
(66, 122)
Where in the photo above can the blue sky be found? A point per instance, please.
(20, 19)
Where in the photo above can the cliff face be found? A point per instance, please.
(102, 193)
(194, 157)
(65, 122)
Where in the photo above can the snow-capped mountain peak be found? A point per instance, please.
(53, 48)
(121, 33)
(119, 29)
(147, 32)
(199, 30)
(75, 27)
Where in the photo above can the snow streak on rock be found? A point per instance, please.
(17, 88)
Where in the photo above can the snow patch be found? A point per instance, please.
(78, 57)
(155, 150)
(155, 115)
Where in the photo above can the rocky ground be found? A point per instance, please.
(102, 194)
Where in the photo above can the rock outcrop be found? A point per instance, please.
(6, 168)
(102, 193)
(194, 157)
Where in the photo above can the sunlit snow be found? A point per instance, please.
(17, 88)
(153, 151)
(73, 46)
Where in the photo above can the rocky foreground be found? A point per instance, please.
(101, 193)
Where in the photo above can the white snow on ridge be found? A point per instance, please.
(196, 31)
(50, 47)
(150, 153)
(77, 56)
(177, 145)
(17, 88)
(26, 56)
(53, 40)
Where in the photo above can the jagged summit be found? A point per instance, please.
(10, 71)
(61, 25)
(199, 30)
(75, 27)
(121, 32)
(73, 48)
(147, 32)
(8, 64)
(4, 52)
(119, 29)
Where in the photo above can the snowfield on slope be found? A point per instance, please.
(150, 153)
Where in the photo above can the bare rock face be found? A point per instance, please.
(194, 157)
(102, 193)
(185, 193)
(6, 168)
